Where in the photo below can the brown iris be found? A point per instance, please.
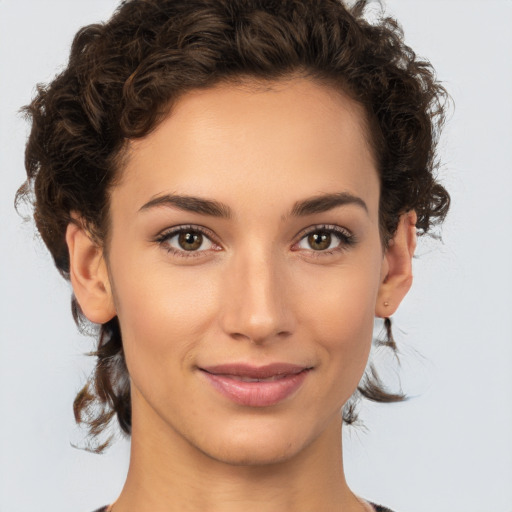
(190, 241)
(319, 240)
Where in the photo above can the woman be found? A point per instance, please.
(234, 191)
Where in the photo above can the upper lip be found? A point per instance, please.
(255, 372)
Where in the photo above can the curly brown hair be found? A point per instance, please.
(123, 77)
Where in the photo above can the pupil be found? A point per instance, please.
(320, 240)
(190, 241)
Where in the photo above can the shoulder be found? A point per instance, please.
(380, 508)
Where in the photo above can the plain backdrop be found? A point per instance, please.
(447, 449)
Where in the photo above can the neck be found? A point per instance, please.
(168, 474)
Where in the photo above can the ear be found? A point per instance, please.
(89, 275)
(396, 272)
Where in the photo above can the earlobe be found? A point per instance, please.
(89, 276)
(396, 275)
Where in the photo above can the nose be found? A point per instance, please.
(257, 306)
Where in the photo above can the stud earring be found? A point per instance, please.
(386, 304)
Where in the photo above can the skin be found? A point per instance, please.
(255, 291)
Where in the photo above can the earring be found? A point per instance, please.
(386, 304)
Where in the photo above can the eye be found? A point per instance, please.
(186, 241)
(326, 239)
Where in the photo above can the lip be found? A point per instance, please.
(256, 386)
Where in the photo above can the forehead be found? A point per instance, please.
(234, 142)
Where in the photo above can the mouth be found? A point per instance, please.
(254, 386)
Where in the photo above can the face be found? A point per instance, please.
(245, 263)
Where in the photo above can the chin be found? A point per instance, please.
(256, 455)
(256, 447)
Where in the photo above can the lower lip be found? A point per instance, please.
(257, 394)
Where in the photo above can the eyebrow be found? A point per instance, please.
(326, 202)
(210, 207)
(191, 204)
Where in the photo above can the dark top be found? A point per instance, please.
(378, 508)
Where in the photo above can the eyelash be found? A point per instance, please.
(346, 239)
(163, 240)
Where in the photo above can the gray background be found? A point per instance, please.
(447, 449)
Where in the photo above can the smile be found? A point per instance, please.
(256, 386)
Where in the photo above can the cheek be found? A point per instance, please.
(347, 319)
(340, 316)
(163, 312)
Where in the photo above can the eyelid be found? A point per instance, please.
(171, 232)
(346, 237)
(324, 227)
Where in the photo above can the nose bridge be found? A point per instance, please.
(256, 307)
